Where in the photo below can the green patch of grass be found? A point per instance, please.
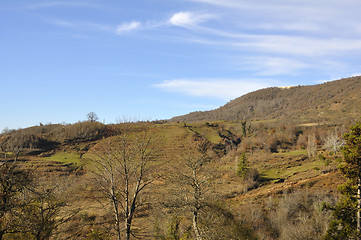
(168, 134)
(66, 157)
(284, 172)
(8, 154)
(292, 153)
(210, 133)
(266, 121)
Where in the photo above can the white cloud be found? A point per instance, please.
(286, 7)
(302, 46)
(309, 46)
(181, 19)
(225, 89)
(51, 4)
(126, 27)
(80, 25)
(299, 34)
(302, 26)
(291, 27)
(188, 19)
(223, 3)
(62, 23)
(271, 66)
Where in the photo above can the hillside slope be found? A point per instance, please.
(323, 102)
(284, 182)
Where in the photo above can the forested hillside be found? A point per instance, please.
(317, 103)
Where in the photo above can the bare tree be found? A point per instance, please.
(12, 183)
(92, 117)
(312, 146)
(45, 211)
(194, 163)
(17, 142)
(193, 198)
(191, 183)
(3, 145)
(27, 208)
(122, 173)
(334, 141)
(14, 144)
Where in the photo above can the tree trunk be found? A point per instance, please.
(130, 213)
(115, 207)
(117, 226)
(358, 208)
(128, 224)
(195, 225)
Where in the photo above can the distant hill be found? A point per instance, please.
(329, 101)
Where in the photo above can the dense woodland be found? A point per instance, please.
(266, 178)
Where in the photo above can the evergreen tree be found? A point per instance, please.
(244, 125)
(345, 223)
(242, 167)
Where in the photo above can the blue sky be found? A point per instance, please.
(155, 59)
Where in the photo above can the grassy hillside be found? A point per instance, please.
(260, 167)
(317, 103)
(282, 171)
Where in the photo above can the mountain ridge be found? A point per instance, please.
(322, 102)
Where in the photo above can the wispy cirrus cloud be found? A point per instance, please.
(287, 27)
(297, 45)
(224, 89)
(280, 9)
(223, 3)
(51, 4)
(272, 66)
(88, 26)
(128, 26)
(305, 46)
(274, 38)
(80, 25)
(189, 19)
